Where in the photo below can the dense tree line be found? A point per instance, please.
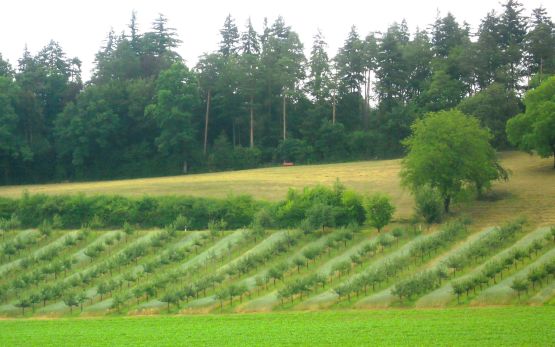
(258, 99)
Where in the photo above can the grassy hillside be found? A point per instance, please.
(451, 327)
(529, 192)
(108, 272)
(165, 271)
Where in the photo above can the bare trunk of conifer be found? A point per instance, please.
(252, 122)
(6, 170)
(367, 100)
(446, 203)
(541, 69)
(206, 121)
(284, 118)
(333, 109)
(233, 132)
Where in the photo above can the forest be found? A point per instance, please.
(258, 99)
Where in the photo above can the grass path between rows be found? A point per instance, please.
(385, 298)
(44, 248)
(210, 299)
(502, 293)
(329, 297)
(444, 295)
(9, 236)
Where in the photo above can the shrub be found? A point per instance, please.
(107, 211)
(45, 228)
(294, 150)
(380, 210)
(346, 205)
(181, 222)
(429, 204)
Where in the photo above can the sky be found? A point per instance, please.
(82, 26)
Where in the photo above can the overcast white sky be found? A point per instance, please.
(81, 26)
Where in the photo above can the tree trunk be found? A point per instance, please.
(206, 121)
(367, 103)
(7, 170)
(333, 103)
(284, 118)
(541, 69)
(252, 121)
(446, 203)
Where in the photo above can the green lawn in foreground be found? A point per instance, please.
(511, 326)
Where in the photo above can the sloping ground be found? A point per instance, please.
(530, 190)
(385, 297)
(323, 266)
(217, 255)
(544, 295)
(444, 295)
(219, 248)
(501, 293)
(9, 235)
(329, 297)
(81, 266)
(60, 240)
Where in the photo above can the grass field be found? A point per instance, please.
(529, 326)
(529, 192)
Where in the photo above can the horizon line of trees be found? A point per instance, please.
(258, 99)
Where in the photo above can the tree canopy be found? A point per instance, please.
(449, 151)
(260, 97)
(534, 130)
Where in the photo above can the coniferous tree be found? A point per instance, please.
(207, 71)
(512, 31)
(488, 54)
(540, 44)
(249, 63)
(229, 44)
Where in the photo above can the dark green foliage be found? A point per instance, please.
(320, 216)
(256, 100)
(113, 211)
(485, 245)
(449, 151)
(419, 284)
(294, 150)
(379, 210)
(321, 205)
(534, 130)
(429, 204)
(493, 106)
(334, 206)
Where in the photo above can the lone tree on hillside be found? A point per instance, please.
(379, 210)
(534, 130)
(449, 151)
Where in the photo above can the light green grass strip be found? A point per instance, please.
(515, 326)
(443, 295)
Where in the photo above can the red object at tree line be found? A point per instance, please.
(288, 163)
